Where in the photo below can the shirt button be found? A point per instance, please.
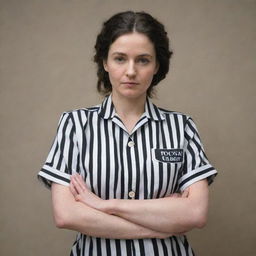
(131, 194)
(131, 144)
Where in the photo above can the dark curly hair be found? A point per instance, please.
(125, 23)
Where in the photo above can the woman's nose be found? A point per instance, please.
(131, 70)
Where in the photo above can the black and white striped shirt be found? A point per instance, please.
(162, 155)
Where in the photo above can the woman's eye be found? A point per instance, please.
(119, 59)
(143, 61)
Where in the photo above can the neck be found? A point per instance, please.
(127, 107)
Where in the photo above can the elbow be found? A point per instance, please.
(60, 220)
(200, 218)
(201, 222)
(59, 223)
(62, 202)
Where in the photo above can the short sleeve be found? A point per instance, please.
(196, 165)
(62, 159)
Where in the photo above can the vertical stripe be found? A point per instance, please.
(118, 247)
(99, 153)
(122, 173)
(116, 157)
(94, 169)
(137, 160)
(107, 163)
(90, 153)
(103, 158)
(99, 246)
(144, 167)
(156, 251)
(150, 170)
(142, 248)
(128, 247)
(82, 139)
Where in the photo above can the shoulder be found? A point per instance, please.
(182, 122)
(81, 111)
(175, 114)
(80, 115)
(180, 119)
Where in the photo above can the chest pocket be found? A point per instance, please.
(171, 156)
(166, 164)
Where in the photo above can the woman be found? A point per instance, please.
(127, 148)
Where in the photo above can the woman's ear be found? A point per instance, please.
(105, 65)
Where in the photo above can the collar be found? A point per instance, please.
(107, 110)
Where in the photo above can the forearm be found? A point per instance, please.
(95, 223)
(175, 215)
(73, 215)
(163, 215)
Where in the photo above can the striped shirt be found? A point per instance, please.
(162, 155)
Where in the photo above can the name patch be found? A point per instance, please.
(168, 155)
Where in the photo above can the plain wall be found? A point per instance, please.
(46, 51)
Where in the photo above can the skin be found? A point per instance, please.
(131, 65)
(74, 215)
(179, 212)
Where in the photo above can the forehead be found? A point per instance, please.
(133, 43)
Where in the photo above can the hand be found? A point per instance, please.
(82, 194)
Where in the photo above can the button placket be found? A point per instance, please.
(131, 148)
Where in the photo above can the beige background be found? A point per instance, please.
(46, 49)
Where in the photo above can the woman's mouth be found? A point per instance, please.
(130, 84)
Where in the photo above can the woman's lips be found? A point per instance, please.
(129, 83)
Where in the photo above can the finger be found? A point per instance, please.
(72, 189)
(81, 179)
(74, 184)
(79, 186)
(82, 183)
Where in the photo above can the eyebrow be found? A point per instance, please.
(140, 55)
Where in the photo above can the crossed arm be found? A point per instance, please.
(74, 215)
(77, 208)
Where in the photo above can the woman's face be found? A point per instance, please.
(131, 65)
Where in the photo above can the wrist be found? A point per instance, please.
(110, 206)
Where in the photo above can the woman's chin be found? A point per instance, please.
(132, 94)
